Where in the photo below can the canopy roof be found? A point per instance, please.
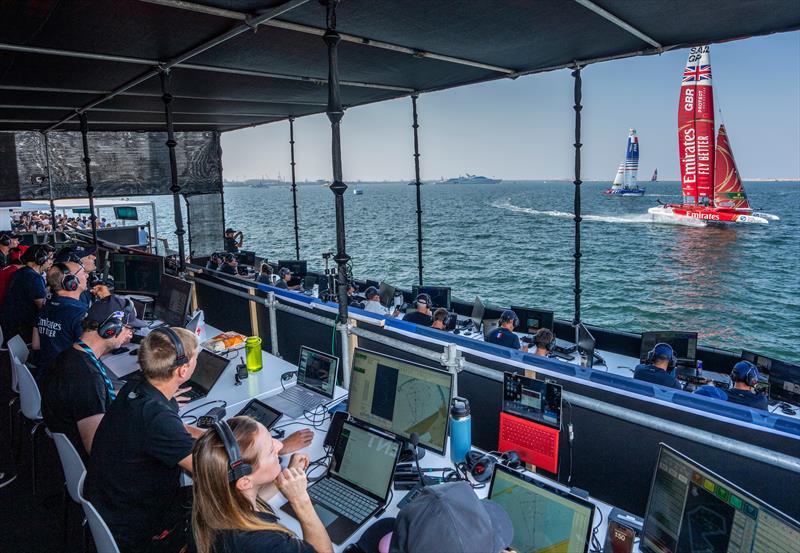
(238, 63)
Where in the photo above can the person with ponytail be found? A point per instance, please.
(233, 517)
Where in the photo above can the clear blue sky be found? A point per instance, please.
(523, 129)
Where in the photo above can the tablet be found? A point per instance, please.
(263, 413)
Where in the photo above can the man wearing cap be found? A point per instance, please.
(87, 257)
(504, 333)
(26, 293)
(285, 275)
(60, 321)
(373, 303)
(229, 264)
(79, 391)
(656, 370)
(422, 315)
(745, 377)
(7, 242)
(233, 240)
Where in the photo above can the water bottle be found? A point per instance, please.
(699, 370)
(315, 290)
(460, 429)
(253, 359)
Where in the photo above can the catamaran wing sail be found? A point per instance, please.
(631, 160)
(696, 128)
(728, 189)
(654, 178)
(620, 178)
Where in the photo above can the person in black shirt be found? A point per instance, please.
(233, 240)
(214, 262)
(422, 315)
(545, 341)
(26, 293)
(77, 395)
(265, 276)
(657, 369)
(233, 516)
(285, 275)
(7, 242)
(504, 333)
(745, 377)
(229, 265)
(440, 319)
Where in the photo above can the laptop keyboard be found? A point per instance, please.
(341, 499)
(302, 397)
(531, 438)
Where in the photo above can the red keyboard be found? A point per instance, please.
(536, 444)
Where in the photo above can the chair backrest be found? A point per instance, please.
(103, 540)
(2, 339)
(19, 348)
(30, 400)
(72, 464)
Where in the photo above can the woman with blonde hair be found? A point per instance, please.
(230, 513)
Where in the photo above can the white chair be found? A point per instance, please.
(103, 540)
(30, 402)
(74, 472)
(19, 348)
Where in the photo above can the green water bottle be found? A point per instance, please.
(252, 354)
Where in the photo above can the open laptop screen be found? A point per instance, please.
(365, 459)
(208, 370)
(317, 371)
(532, 399)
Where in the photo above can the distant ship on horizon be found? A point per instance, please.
(470, 179)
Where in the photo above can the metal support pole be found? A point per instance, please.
(154, 237)
(273, 323)
(173, 167)
(50, 185)
(344, 331)
(294, 190)
(577, 205)
(338, 187)
(454, 362)
(418, 184)
(89, 188)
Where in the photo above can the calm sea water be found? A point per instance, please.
(512, 243)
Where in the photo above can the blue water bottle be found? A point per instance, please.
(460, 429)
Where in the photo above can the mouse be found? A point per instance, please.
(133, 351)
(456, 331)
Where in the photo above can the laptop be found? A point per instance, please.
(356, 486)
(544, 517)
(530, 421)
(316, 381)
(210, 367)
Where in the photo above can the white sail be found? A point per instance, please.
(620, 178)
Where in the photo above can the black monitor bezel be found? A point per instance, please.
(388, 287)
(643, 352)
(335, 370)
(776, 379)
(662, 447)
(552, 489)
(589, 354)
(114, 255)
(162, 288)
(416, 290)
(399, 436)
(245, 256)
(517, 310)
(478, 301)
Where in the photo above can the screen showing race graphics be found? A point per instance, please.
(172, 304)
(545, 519)
(532, 399)
(531, 320)
(692, 509)
(365, 459)
(137, 273)
(317, 370)
(401, 397)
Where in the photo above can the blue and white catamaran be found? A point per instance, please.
(625, 182)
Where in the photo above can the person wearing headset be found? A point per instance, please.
(440, 319)
(422, 314)
(544, 341)
(374, 305)
(214, 262)
(60, 320)
(284, 277)
(77, 395)
(229, 264)
(86, 256)
(504, 333)
(26, 293)
(658, 367)
(745, 377)
(230, 511)
(8, 241)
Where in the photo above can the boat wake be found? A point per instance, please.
(767, 216)
(638, 218)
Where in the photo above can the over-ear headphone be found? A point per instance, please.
(545, 338)
(236, 467)
(424, 299)
(664, 350)
(69, 282)
(180, 354)
(745, 371)
(481, 465)
(509, 315)
(114, 323)
(39, 254)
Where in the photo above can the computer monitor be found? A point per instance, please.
(532, 399)
(440, 295)
(246, 258)
(693, 509)
(478, 309)
(298, 268)
(544, 517)
(137, 274)
(126, 213)
(783, 379)
(586, 344)
(387, 294)
(309, 281)
(401, 397)
(531, 320)
(172, 305)
(684, 345)
(317, 371)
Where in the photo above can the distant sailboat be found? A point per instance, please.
(654, 178)
(625, 182)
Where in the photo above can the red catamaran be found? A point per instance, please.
(711, 185)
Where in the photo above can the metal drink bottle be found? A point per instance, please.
(460, 429)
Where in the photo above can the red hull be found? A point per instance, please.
(721, 215)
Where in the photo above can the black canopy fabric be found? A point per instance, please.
(58, 56)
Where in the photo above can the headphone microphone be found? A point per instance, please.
(237, 468)
(69, 282)
(745, 371)
(664, 350)
(180, 354)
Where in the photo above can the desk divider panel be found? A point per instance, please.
(222, 310)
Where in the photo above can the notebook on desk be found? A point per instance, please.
(530, 420)
(356, 486)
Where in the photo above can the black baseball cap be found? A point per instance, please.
(102, 310)
(74, 253)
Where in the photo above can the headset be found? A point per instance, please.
(228, 257)
(115, 323)
(180, 354)
(651, 355)
(69, 282)
(745, 371)
(424, 299)
(481, 465)
(236, 467)
(509, 315)
(541, 335)
(5, 240)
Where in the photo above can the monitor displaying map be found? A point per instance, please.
(401, 397)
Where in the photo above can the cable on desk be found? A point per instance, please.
(207, 403)
(597, 547)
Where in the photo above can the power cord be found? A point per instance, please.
(286, 377)
(207, 403)
(597, 547)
